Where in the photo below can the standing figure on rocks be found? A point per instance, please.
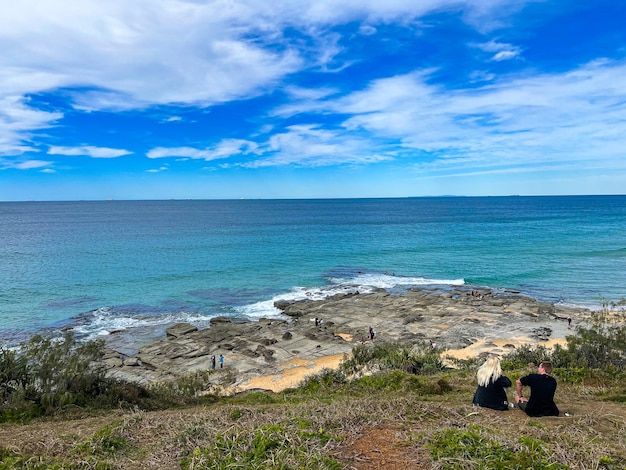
(492, 385)
(221, 361)
(213, 362)
(372, 333)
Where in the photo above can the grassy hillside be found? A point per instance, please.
(390, 406)
(392, 420)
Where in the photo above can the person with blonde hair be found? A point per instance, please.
(492, 385)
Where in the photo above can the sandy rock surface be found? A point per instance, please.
(275, 354)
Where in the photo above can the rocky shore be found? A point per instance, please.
(275, 354)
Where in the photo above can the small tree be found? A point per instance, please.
(47, 373)
(601, 345)
(13, 372)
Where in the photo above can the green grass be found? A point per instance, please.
(389, 403)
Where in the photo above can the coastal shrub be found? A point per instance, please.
(418, 359)
(194, 383)
(13, 372)
(122, 394)
(615, 309)
(398, 381)
(601, 345)
(48, 373)
(326, 379)
(526, 356)
(470, 364)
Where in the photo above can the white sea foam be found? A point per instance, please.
(363, 283)
(105, 321)
(388, 281)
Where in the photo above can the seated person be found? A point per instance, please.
(491, 391)
(542, 389)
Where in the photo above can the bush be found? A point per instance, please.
(602, 345)
(13, 372)
(398, 381)
(326, 379)
(525, 355)
(49, 373)
(419, 359)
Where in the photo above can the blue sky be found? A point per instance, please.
(158, 99)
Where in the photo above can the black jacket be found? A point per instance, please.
(493, 395)
(541, 401)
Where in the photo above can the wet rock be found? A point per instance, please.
(282, 304)
(180, 329)
(414, 318)
(542, 333)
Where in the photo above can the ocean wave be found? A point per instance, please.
(362, 282)
(150, 321)
(105, 321)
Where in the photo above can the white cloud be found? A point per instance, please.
(300, 145)
(133, 54)
(191, 52)
(503, 51)
(367, 30)
(25, 165)
(119, 55)
(88, 151)
(308, 145)
(505, 55)
(575, 116)
(547, 120)
(224, 149)
(158, 170)
(17, 121)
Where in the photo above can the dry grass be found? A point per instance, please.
(344, 427)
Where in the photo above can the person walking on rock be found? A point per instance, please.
(221, 361)
(213, 362)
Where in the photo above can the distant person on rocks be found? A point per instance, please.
(372, 333)
(221, 361)
(213, 362)
(492, 385)
(569, 323)
(542, 388)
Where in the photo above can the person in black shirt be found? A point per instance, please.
(542, 389)
(491, 391)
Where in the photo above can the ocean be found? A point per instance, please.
(99, 267)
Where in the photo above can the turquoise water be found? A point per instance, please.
(118, 265)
